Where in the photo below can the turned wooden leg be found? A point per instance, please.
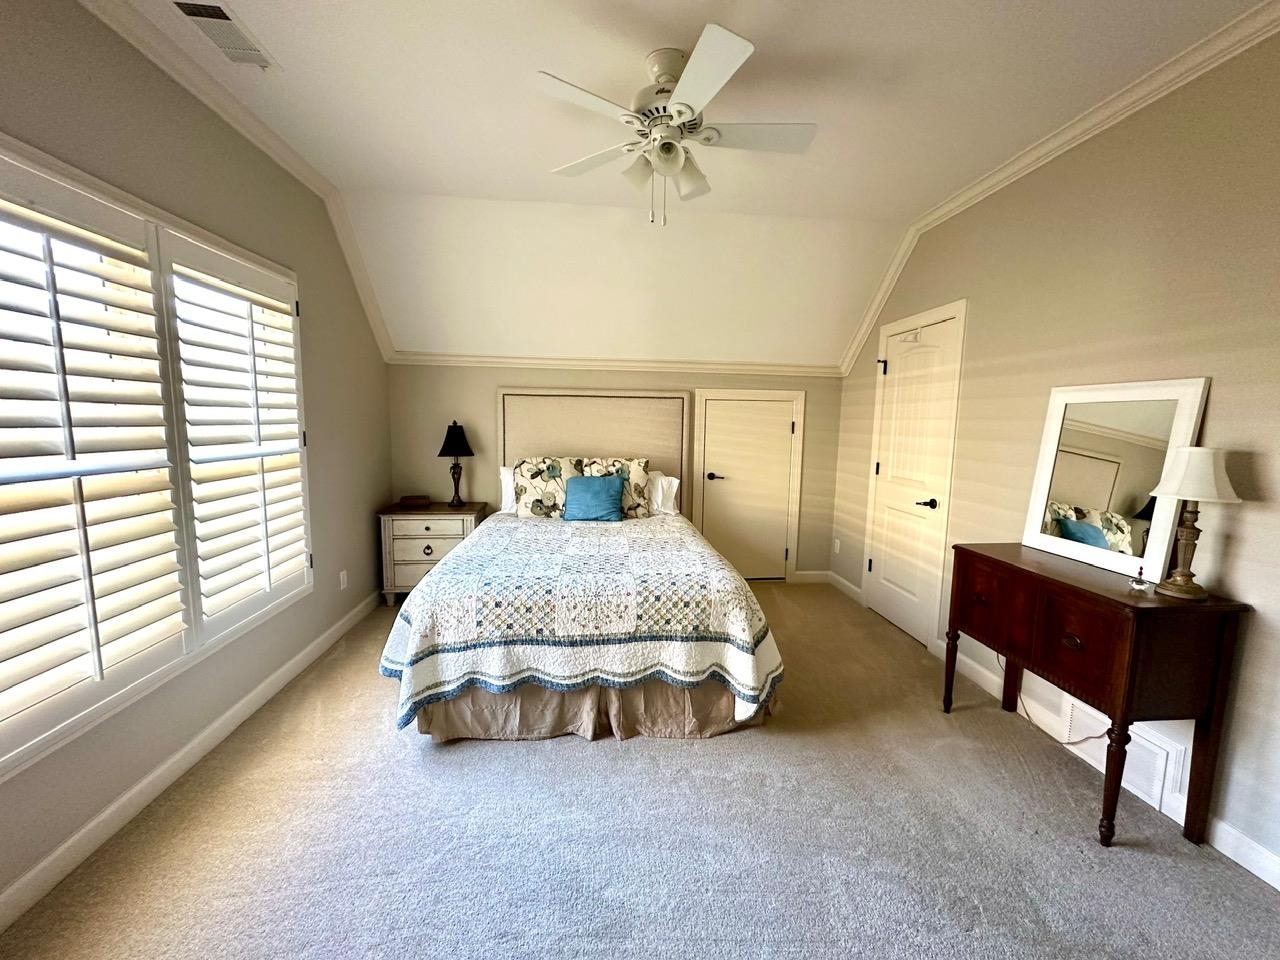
(391, 597)
(1117, 741)
(1012, 686)
(953, 640)
(1208, 737)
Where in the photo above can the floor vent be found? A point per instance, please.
(216, 23)
(1147, 765)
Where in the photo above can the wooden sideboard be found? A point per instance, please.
(1133, 655)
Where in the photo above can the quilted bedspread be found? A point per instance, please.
(569, 604)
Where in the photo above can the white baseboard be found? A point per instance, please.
(828, 577)
(1051, 722)
(24, 892)
(1249, 853)
(1226, 839)
(808, 576)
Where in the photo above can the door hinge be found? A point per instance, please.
(297, 308)
(868, 564)
(311, 560)
(304, 438)
(793, 426)
(877, 468)
(884, 367)
(786, 553)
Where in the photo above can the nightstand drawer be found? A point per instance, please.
(429, 526)
(421, 548)
(407, 575)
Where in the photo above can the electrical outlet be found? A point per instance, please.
(342, 579)
(835, 546)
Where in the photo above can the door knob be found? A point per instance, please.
(931, 503)
(715, 476)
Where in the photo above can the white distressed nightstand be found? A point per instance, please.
(415, 537)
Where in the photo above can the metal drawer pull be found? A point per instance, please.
(427, 551)
(1072, 641)
(427, 528)
(931, 503)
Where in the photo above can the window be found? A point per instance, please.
(152, 496)
(241, 417)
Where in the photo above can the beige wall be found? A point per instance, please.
(74, 89)
(1150, 251)
(425, 399)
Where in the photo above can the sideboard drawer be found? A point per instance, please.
(1080, 645)
(989, 607)
(429, 526)
(419, 549)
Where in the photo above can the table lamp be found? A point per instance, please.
(455, 445)
(1195, 475)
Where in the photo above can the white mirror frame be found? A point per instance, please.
(1190, 396)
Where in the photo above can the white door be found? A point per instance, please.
(746, 482)
(912, 474)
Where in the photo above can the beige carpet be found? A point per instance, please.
(861, 822)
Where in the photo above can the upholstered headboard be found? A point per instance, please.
(536, 422)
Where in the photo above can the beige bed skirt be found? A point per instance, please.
(653, 709)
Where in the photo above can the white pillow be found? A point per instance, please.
(661, 493)
(507, 484)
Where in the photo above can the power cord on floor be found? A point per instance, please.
(1027, 713)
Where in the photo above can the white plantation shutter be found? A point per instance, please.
(241, 415)
(90, 575)
(152, 464)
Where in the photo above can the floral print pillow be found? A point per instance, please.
(635, 476)
(1114, 527)
(540, 484)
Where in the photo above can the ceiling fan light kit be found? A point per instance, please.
(669, 111)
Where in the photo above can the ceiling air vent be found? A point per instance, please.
(227, 35)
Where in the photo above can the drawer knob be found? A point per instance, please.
(427, 551)
(1072, 641)
(427, 528)
(979, 600)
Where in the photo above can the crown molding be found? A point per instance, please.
(161, 50)
(1237, 36)
(638, 365)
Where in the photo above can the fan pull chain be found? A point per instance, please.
(652, 176)
(664, 201)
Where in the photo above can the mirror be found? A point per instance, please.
(1103, 451)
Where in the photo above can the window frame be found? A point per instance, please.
(59, 190)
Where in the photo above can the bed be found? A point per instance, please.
(533, 628)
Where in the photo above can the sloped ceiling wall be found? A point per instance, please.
(528, 279)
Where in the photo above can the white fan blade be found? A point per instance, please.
(594, 160)
(639, 173)
(566, 91)
(772, 137)
(690, 181)
(714, 60)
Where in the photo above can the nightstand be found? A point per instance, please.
(414, 538)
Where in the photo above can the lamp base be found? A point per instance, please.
(1190, 590)
(1182, 582)
(455, 471)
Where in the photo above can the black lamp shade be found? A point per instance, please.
(1146, 513)
(455, 442)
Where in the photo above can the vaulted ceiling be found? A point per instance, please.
(424, 118)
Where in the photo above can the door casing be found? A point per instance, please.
(699, 471)
(956, 312)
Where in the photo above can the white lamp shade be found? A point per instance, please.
(1197, 473)
(690, 182)
(640, 172)
(667, 164)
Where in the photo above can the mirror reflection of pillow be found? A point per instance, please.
(1082, 532)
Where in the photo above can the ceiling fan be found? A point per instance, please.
(668, 112)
